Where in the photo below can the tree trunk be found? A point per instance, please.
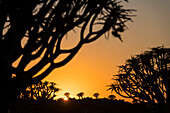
(5, 85)
(10, 87)
(168, 88)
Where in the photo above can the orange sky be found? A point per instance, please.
(92, 68)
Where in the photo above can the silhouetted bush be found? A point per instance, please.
(41, 90)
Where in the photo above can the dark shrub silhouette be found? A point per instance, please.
(111, 97)
(145, 77)
(32, 33)
(41, 90)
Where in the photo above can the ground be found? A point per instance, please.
(75, 106)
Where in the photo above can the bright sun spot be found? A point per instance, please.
(65, 98)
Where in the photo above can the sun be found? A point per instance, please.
(65, 98)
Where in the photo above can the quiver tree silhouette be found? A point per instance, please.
(41, 90)
(145, 77)
(67, 94)
(32, 34)
(96, 95)
(80, 95)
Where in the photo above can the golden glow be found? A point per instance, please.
(65, 98)
(92, 68)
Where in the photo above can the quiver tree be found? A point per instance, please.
(32, 34)
(96, 95)
(41, 90)
(67, 94)
(145, 77)
(80, 95)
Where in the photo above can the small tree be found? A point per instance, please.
(41, 90)
(111, 97)
(96, 95)
(80, 95)
(67, 94)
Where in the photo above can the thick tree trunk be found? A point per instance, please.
(5, 85)
(10, 88)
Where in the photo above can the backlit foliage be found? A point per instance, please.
(145, 77)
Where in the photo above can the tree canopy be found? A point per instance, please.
(67, 94)
(41, 90)
(32, 33)
(145, 77)
(96, 95)
(80, 95)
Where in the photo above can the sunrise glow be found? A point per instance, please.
(92, 68)
(65, 98)
(85, 56)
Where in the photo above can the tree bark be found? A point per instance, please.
(5, 85)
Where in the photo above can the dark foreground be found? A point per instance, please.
(78, 106)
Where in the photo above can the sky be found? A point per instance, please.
(91, 70)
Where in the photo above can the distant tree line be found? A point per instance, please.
(81, 94)
(48, 91)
